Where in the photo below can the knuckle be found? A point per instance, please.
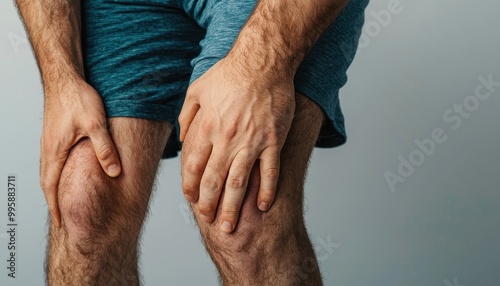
(193, 166)
(236, 181)
(230, 210)
(230, 133)
(266, 195)
(205, 209)
(105, 153)
(210, 184)
(271, 173)
(206, 127)
(189, 189)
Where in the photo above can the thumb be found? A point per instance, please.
(106, 153)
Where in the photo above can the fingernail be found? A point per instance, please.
(113, 170)
(263, 206)
(226, 227)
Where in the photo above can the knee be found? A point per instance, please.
(92, 205)
(254, 238)
(258, 233)
(256, 246)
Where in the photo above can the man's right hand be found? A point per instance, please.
(72, 111)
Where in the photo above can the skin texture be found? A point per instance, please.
(102, 216)
(259, 69)
(73, 110)
(269, 248)
(247, 140)
(246, 103)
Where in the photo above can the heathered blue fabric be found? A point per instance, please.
(141, 56)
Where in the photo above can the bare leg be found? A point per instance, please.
(102, 216)
(272, 248)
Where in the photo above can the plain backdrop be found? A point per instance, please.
(438, 225)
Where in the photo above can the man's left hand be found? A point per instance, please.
(230, 120)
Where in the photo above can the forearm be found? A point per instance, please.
(54, 31)
(279, 33)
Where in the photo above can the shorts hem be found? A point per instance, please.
(132, 108)
(332, 133)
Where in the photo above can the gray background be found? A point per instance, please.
(439, 227)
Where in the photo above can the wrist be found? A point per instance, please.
(259, 58)
(279, 33)
(244, 71)
(55, 86)
(265, 53)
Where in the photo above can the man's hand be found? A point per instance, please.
(73, 109)
(239, 120)
(242, 108)
(72, 112)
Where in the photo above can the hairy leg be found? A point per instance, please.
(272, 248)
(102, 216)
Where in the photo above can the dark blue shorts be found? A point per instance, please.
(141, 56)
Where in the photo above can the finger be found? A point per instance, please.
(195, 155)
(235, 189)
(186, 117)
(52, 202)
(269, 174)
(50, 173)
(105, 151)
(211, 183)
